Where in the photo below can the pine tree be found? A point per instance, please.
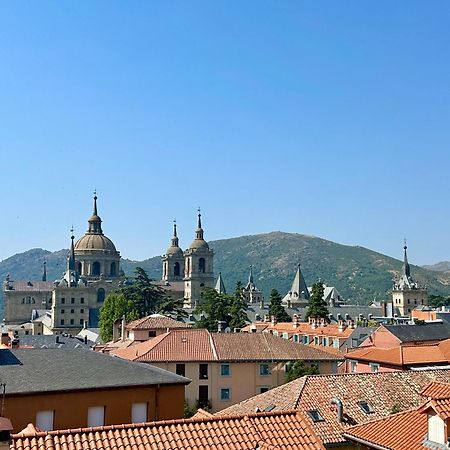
(276, 309)
(299, 369)
(317, 307)
(238, 309)
(215, 307)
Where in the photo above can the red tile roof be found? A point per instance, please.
(384, 433)
(155, 322)
(304, 328)
(286, 430)
(384, 392)
(201, 345)
(436, 390)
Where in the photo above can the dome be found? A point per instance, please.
(95, 242)
(174, 250)
(198, 244)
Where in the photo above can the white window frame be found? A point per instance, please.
(96, 416)
(139, 412)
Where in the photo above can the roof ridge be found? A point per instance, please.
(305, 379)
(213, 345)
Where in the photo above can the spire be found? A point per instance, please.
(406, 268)
(299, 288)
(71, 260)
(220, 285)
(199, 230)
(250, 275)
(44, 272)
(174, 237)
(95, 223)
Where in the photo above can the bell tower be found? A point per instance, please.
(198, 267)
(173, 260)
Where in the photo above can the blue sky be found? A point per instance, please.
(324, 118)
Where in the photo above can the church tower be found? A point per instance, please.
(198, 267)
(173, 260)
(407, 294)
(298, 295)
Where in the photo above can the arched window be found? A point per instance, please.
(188, 267)
(176, 269)
(201, 265)
(101, 295)
(78, 267)
(96, 268)
(113, 269)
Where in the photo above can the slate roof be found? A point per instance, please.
(384, 392)
(264, 431)
(156, 321)
(201, 345)
(47, 341)
(27, 371)
(414, 333)
(31, 286)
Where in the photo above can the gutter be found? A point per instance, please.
(364, 442)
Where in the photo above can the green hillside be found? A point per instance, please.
(359, 274)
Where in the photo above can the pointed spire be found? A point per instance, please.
(299, 288)
(199, 230)
(220, 285)
(406, 268)
(71, 260)
(95, 223)
(250, 275)
(175, 237)
(44, 271)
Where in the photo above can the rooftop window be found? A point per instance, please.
(366, 407)
(315, 415)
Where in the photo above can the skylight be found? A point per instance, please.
(269, 408)
(366, 407)
(315, 415)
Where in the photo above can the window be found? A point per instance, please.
(82, 300)
(63, 311)
(72, 321)
(336, 343)
(44, 420)
(180, 370)
(305, 340)
(63, 300)
(72, 300)
(325, 342)
(176, 269)
(81, 311)
(295, 338)
(152, 333)
(72, 311)
(96, 416)
(263, 389)
(225, 370)
(201, 265)
(81, 322)
(374, 367)
(285, 335)
(101, 294)
(138, 412)
(62, 321)
(353, 366)
(203, 399)
(203, 371)
(315, 415)
(264, 370)
(113, 269)
(316, 340)
(225, 394)
(96, 268)
(366, 407)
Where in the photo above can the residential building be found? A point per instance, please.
(407, 294)
(425, 427)
(226, 368)
(334, 403)
(72, 388)
(152, 326)
(283, 431)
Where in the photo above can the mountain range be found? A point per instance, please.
(359, 274)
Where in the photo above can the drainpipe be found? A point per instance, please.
(340, 409)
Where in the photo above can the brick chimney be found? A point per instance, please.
(295, 321)
(273, 320)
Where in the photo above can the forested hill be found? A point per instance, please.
(359, 274)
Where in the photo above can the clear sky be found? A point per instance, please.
(322, 117)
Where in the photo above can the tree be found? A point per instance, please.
(115, 307)
(299, 369)
(317, 307)
(276, 309)
(238, 309)
(215, 307)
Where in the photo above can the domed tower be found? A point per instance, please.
(173, 260)
(198, 267)
(96, 255)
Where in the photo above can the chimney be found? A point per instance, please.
(340, 409)
(273, 320)
(341, 325)
(116, 330)
(5, 433)
(323, 322)
(266, 318)
(295, 321)
(85, 339)
(5, 340)
(221, 326)
(57, 338)
(122, 331)
(384, 309)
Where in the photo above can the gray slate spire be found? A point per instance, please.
(299, 288)
(44, 272)
(220, 286)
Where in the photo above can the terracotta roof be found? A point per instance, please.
(436, 390)
(201, 345)
(404, 355)
(287, 430)
(330, 330)
(156, 321)
(384, 392)
(202, 414)
(385, 432)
